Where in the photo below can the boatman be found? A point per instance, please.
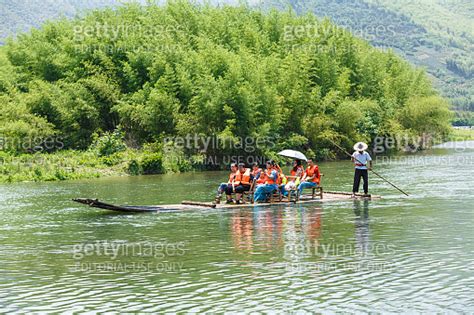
(361, 158)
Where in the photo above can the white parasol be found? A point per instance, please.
(293, 154)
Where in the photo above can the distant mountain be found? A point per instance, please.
(450, 34)
(437, 35)
(20, 15)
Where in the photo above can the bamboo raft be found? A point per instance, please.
(195, 205)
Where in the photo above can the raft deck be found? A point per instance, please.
(194, 205)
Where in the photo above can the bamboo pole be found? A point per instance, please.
(377, 174)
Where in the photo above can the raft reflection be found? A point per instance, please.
(274, 229)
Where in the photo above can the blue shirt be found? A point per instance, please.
(274, 175)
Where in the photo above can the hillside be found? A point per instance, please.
(433, 34)
(230, 72)
(450, 26)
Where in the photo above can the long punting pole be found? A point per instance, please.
(383, 178)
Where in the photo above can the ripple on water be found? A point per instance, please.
(415, 254)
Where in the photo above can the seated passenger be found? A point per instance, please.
(280, 174)
(269, 178)
(243, 180)
(256, 171)
(295, 177)
(311, 177)
(281, 179)
(225, 187)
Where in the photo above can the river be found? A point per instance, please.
(397, 254)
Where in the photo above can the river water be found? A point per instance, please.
(397, 254)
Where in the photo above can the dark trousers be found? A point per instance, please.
(229, 190)
(241, 188)
(238, 189)
(357, 175)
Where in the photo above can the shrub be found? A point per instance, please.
(37, 174)
(152, 164)
(175, 160)
(109, 143)
(60, 174)
(134, 168)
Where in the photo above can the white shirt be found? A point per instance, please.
(362, 159)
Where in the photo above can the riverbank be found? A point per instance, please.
(63, 165)
(462, 134)
(73, 164)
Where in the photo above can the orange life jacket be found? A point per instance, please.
(314, 171)
(279, 178)
(268, 179)
(295, 173)
(245, 177)
(262, 179)
(238, 178)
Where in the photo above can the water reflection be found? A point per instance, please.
(242, 230)
(294, 230)
(420, 249)
(361, 223)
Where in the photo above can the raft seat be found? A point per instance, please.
(276, 196)
(249, 194)
(293, 195)
(315, 191)
(319, 193)
(319, 189)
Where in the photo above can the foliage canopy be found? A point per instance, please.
(231, 72)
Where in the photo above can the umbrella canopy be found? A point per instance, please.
(297, 155)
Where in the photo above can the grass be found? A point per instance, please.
(71, 164)
(62, 165)
(462, 134)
